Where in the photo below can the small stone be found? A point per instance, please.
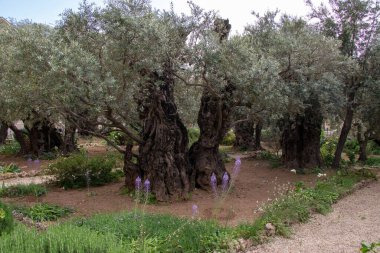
(270, 229)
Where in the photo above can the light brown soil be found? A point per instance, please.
(256, 183)
(355, 218)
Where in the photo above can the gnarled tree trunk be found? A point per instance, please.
(3, 132)
(363, 141)
(163, 153)
(69, 143)
(131, 170)
(300, 140)
(43, 137)
(214, 122)
(244, 133)
(21, 139)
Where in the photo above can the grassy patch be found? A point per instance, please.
(23, 190)
(10, 168)
(373, 161)
(44, 212)
(299, 205)
(11, 148)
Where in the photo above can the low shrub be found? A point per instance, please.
(10, 148)
(193, 134)
(373, 161)
(274, 160)
(10, 168)
(23, 190)
(118, 137)
(373, 148)
(352, 145)
(328, 150)
(6, 219)
(229, 139)
(80, 170)
(44, 212)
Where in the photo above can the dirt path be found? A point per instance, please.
(355, 218)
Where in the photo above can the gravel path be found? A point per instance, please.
(355, 218)
(25, 180)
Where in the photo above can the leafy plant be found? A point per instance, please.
(6, 219)
(44, 212)
(10, 168)
(193, 134)
(373, 161)
(11, 148)
(229, 139)
(328, 150)
(373, 148)
(80, 170)
(118, 137)
(274, 159)
(369, 247)
(23, 190)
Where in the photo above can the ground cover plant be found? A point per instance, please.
(20, 190)
(44, 212)
(10, 168)
(6, 219)
(11, 148)
(81, 170)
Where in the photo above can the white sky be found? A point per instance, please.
(239, 11)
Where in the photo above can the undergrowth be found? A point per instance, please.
(23, 190)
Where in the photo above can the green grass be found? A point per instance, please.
(23, 190)
(139, 232)
(299, 205)
(10, 148)
(44, 212)
(10, 168)
(373, 161)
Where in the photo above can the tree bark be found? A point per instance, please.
(43, 137)
(20, 138)
(214, 122)
(259, 127)
(69, 143)
(363, 141)
(345, 128)
(244, 132)
(131, 170)
(163, 153)
(300, 140)
(3, 132)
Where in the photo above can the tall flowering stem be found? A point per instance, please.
(225, 181)
(214, 184)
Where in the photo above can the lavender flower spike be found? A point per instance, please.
(225, 181)
(213, 182)
(147, 185)
(194, 210)
(138, 183)
(236, 168)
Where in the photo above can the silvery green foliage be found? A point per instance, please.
(307, 63)
(25, 50)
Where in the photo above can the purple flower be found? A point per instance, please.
(236, 168)
(225, 181)
(138, 183)
(147, 185)
(213, 181)
(194, 210)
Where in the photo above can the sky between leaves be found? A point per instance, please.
(237, 11)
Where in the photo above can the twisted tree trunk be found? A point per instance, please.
(300, 140)
(43, 137)
(131, 170)
(244, 133)
(69, 142)
(214, 122)
(3, 132)
(21, 139)
(163, 153)
(259, 127)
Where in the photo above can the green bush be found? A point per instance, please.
(352, 145)
(11, 168)
(373, 161)
(274, 160)
(193, 134)
(328, 150)
(229, 139)
(23, 190)
(80, 170)
(118, 137)
(11, 148)
(6, 219)
(44, 212)
(373, 148)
